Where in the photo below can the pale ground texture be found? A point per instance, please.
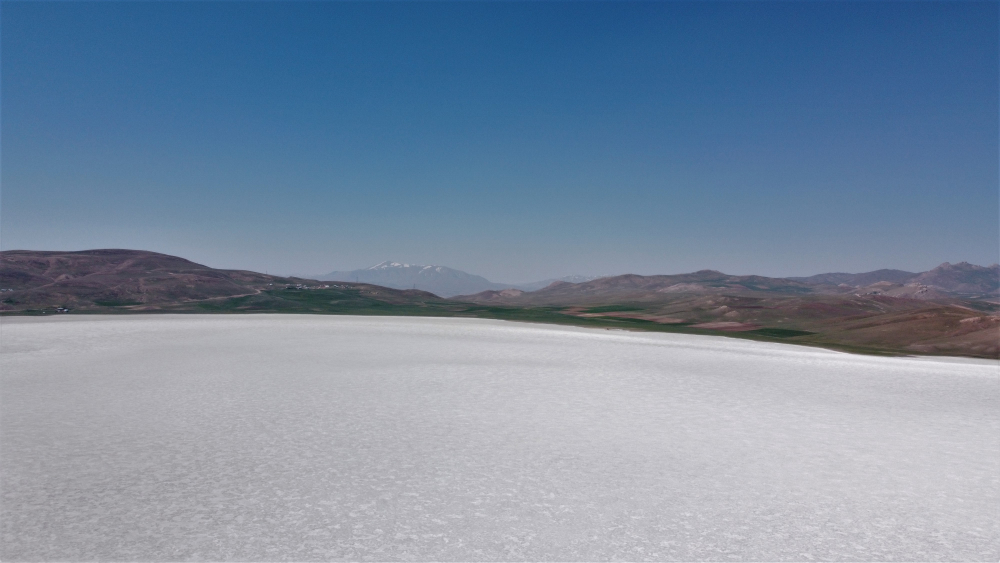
(278, 438)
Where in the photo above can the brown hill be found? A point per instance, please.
(135, 279)
(911, 290)
(871, 321)
(882, 316)
(947, 281)
(959, 279)
(636, 287)
(963, 278)
(939, 329)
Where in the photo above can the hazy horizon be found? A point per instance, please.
(320, 274)
(516, 141)
(605, 274)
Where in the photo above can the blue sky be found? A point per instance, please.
(518, 141)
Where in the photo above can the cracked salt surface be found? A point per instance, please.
(304, 438)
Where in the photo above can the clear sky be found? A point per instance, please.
(518, 141)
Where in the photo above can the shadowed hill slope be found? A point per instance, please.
(139, 280)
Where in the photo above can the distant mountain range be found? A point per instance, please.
(439, 280)
(947, 280)
(111, 274)
(962, 280)
(952, 309)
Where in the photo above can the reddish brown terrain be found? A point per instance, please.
(73, 279)
(949, 310)
(136, 280)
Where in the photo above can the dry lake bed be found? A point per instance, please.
(276, 438)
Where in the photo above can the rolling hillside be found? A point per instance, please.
(133, 280)
(955, 315)
(883, 317)
(960, 279)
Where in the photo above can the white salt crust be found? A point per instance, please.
(301, 438)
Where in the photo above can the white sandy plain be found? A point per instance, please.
(271, 437)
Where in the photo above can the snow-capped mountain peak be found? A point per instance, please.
(387, 265)
(436, 279)
(400, 266)
(440, 280)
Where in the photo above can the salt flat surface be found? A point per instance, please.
(327, 437)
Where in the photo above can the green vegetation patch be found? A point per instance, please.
(613, 309)
(630, 320)
(323, 301)
(984, 306)
(779, 332)
(116, 302)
